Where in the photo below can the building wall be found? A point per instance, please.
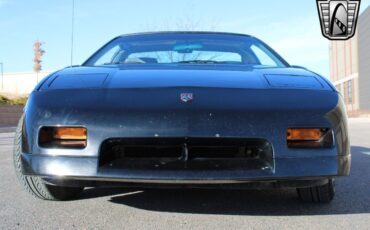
(20, 84)
(350, 65)
(364, 57)
(344, 71)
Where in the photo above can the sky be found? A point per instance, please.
(290, 27)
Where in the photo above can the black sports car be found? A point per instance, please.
(183, 109)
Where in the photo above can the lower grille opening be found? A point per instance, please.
(181, 153)
(148, 151)
(227, 152)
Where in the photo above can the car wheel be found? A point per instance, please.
(318, 194)
(35, 185)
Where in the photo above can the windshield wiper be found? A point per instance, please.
(123, 63)
(113, 63)
(200, 62)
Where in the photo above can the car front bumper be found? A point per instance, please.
(82, 170)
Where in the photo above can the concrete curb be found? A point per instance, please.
(10, 115)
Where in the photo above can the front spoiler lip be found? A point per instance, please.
(198, 184)
(179, 182)
(86, 168)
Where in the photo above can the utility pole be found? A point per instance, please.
(2, 76)
(38, 52)
(73, 25)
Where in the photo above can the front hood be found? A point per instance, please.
(184, 76)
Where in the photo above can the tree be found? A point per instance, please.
(38, 53)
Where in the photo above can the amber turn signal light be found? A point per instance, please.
(304, 134)
(63, 137)
(309, 138)
(70, 133)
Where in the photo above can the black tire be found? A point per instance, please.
(318, 194)
(35, 185)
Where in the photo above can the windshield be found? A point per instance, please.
(186, 48)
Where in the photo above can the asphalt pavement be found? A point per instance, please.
(119, 208)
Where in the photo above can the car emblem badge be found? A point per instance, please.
(338, 18)
(186, 97)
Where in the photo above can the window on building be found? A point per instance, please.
(338, 88)
(349, 91)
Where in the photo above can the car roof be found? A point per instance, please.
(185, 32)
